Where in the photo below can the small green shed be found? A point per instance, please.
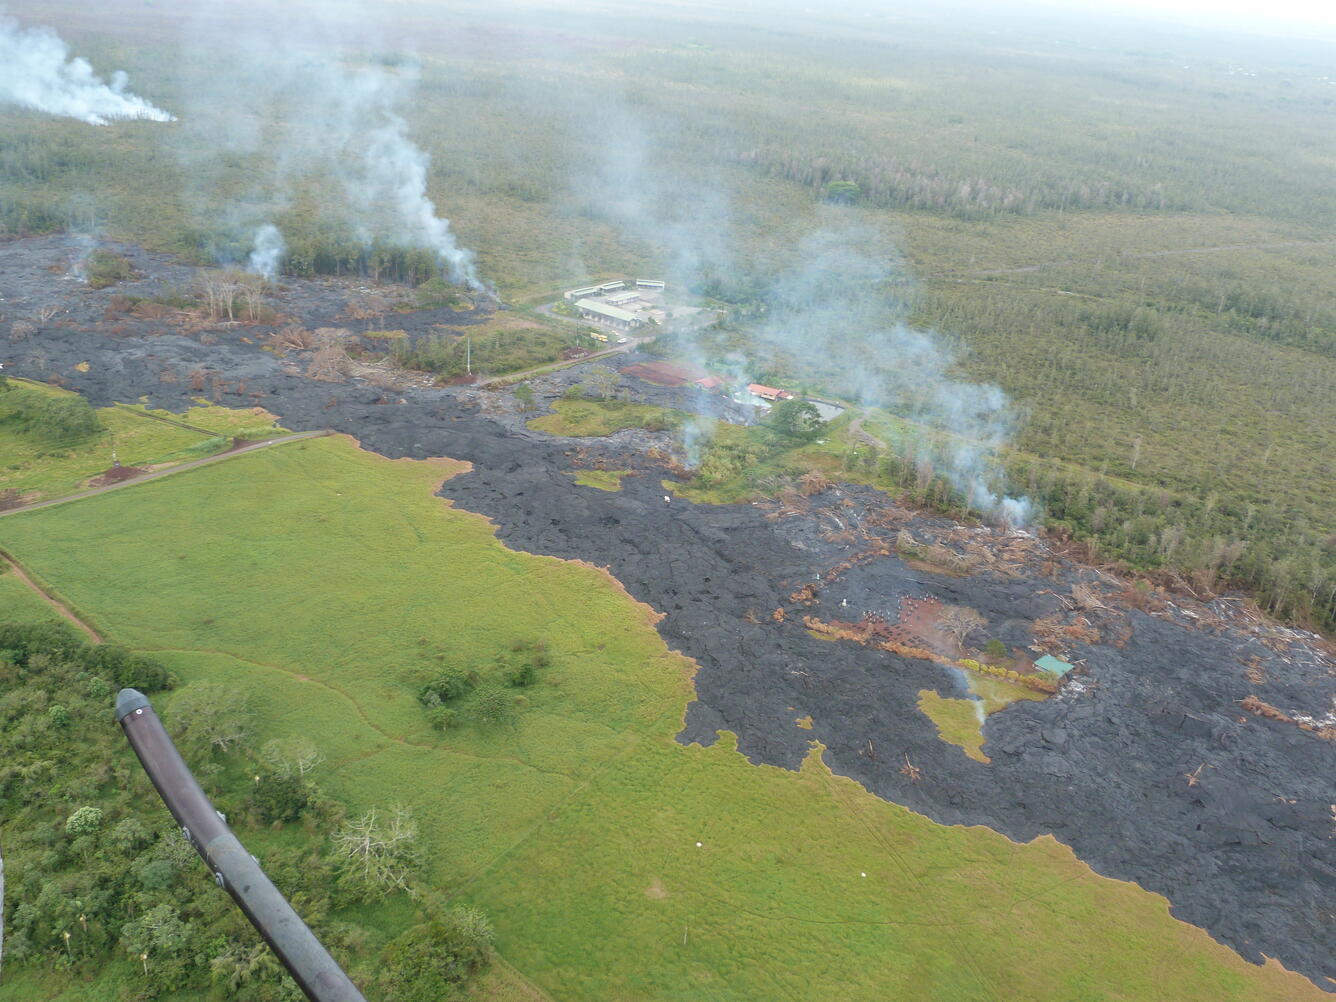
(1052, 665)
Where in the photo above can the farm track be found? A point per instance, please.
(64, 611)
(507, 378)
(162, 420)
(357, 708)
(158, 474)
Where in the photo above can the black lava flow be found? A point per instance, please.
(1245, 849)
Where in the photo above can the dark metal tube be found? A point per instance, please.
(236, 870)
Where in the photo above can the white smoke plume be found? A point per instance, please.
(268, 253)
(307, 100)
(36, 72)
(835, 318)
(395, 176)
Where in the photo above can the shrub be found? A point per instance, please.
(105, 268)
(494, 705)
(442, 718)
(84, 821)
(429, 962)
(61, 419)
(279, 797)
(450, 683)
(127, 670)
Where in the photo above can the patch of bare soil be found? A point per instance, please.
(117, 475)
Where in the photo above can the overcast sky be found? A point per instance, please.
(1321, 12)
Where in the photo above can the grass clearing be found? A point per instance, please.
(38, 467)
(959, 722)
(604, 480)
(325, 580)
(997, 693)
(245, 422)
(595, 418)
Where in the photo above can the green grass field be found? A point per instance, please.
(247, 422)
(328, 579)
(18, 603)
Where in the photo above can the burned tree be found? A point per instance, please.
(960, 621)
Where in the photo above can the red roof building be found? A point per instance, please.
(768, 392)
(710, 383)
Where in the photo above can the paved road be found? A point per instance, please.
(194, 463)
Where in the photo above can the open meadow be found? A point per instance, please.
(329, 584)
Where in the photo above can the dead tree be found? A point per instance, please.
(329, 364)
(960, 621)
(293, 337)
(220, 293)
(21, 330)
(253, 288)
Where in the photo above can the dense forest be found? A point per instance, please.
(1125, 226)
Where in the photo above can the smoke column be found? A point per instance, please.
(268, 253)
(396, 175)
(36, 71)
(308, 101)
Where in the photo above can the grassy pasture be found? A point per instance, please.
(18, 604)
(246, 422)
(325, 580)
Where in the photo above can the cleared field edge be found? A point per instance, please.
(456, 467)
(183, 466)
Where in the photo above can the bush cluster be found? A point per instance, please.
(455, 692)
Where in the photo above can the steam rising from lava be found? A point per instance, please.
(268, 253)
(36, 71)
(314, 119)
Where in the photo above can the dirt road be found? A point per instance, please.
(17, 570)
